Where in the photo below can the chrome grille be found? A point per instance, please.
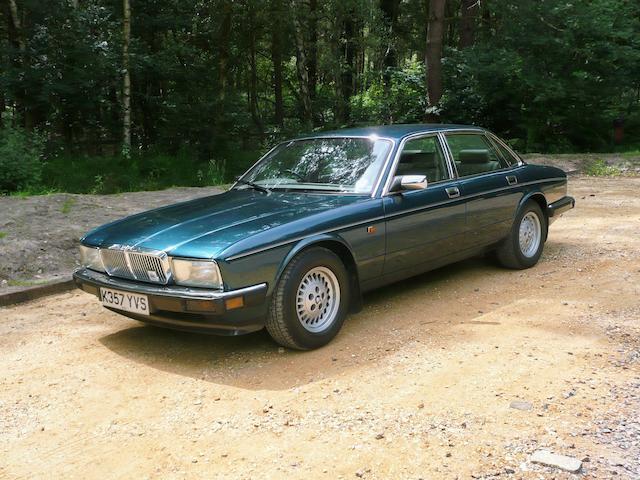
(135, 265)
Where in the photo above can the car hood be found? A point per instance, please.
(205, 227)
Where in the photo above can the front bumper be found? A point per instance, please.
(555, 209)
(232, 312)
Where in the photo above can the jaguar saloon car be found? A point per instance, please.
(318, 221)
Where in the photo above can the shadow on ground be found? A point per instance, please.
(391, 316)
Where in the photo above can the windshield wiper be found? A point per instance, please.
(255, 186)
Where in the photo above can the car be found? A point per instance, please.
(318, 221)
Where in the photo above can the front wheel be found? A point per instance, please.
(310, 301)
(523, 247)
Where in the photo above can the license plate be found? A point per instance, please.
(129, 302)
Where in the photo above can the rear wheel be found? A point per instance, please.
(523, 247)
(310, 301)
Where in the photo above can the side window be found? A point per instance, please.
(506, 154)
(474, 154)
(423, 156)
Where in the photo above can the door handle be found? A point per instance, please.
(512, 179)
(453, 192)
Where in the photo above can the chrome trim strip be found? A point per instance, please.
(496, 139)
(126, 249)
(475, 195)
(100, 279)
(396, 158)
(301, 237)
(448, 155)
(376, 219)
(440, 133)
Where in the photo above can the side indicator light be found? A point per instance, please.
(235, 302)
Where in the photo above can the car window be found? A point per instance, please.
(474, 154)
(506, 154)
(343, 165)
(423, 156)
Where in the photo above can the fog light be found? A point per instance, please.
(201, 306)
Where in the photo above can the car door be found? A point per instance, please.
(488, 183)
(422, 226)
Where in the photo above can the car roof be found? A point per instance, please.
(396, 132)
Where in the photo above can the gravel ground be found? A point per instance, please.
(420, 384)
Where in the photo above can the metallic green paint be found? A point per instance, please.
(253, 235)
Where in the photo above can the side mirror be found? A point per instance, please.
(408, 182)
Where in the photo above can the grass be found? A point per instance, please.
(631, 154)
(66, 206)
(599, 168)
(25, 283)
(2, 235)
(116, 174)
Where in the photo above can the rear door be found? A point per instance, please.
(422, 225)
(489, 184)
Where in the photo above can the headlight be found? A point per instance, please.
(196, 273)
(90, 258)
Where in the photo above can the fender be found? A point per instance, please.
(307, 242)
(541, 200)
(528, 196)
(356, 295)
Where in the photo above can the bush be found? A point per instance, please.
(20, 163)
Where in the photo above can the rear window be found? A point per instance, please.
(474, 154)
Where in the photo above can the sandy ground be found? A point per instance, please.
(417, 385)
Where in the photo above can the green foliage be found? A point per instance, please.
(20, 163)
(548, 75)
(599, 168)
(404, 102)
(554, 74)
(67, 205)
(3, 235)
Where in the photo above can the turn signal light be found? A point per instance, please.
(236, 302)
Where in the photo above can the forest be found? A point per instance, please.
(101, 96)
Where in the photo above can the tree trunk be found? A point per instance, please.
(302, 67)
(487, 22)
(313, 48)
(126, 81)
(435, 30)
(16, 37)
(276, 58)
(253, 74)
(347, 66)
(17, 25)
(468, 14)
(389, 10)
(223, 55)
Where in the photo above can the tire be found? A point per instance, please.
(310, 301)
(530, 226)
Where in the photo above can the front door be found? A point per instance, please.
(423, 226)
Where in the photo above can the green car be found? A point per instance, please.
(318, 221)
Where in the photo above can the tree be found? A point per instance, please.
(277, 46)
(433, 60)
(302, 65)
(126, 79)
(468, 13)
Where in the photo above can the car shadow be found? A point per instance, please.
(255, 362)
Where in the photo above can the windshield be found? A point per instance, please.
(349, 165)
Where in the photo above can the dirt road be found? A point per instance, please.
(418, 385)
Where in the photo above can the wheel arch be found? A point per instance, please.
(538, 197)
(342, 249)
